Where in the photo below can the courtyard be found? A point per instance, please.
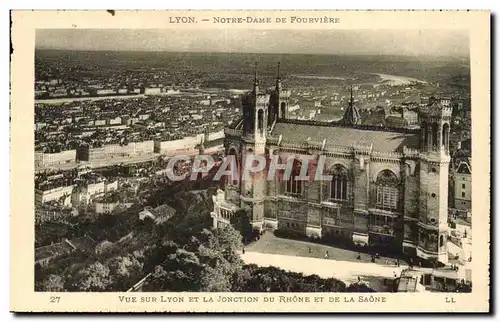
(371, 274)
(271, 244)
(309, 258)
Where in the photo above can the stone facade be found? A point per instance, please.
(389, 187)
(463, 186)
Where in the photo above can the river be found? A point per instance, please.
(63, 100)
(396, 80)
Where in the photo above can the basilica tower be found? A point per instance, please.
(435, 121)
(255, 120)
(278, 100)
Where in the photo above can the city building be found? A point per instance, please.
(60, 194)
(45, 214)
(389, 186)
(415, 281)
(43, 255)
(159, 214)
(131, 149)
(47, 159)
(463, 186)
(87, 192)
(411, 117)
(104, 207)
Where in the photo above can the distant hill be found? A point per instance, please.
(431, 69)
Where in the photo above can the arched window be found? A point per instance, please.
(340, 183)
(283, 109)
(387, 190)
(233, 155)
(294, 184)
(260, 120)
(441, 241)
(445, 137)
(435, 134)
(424, 137)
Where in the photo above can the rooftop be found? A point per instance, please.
(383, 139)
(464, 168)
(49, 251)
(407, 284)
(84, 243)
(164, 211)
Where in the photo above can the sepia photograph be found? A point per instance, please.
(392, 123)
(242, 162)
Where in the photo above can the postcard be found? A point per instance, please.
(250, 161)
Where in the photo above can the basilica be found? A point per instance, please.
(388, 187)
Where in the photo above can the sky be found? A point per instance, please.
(337, 42)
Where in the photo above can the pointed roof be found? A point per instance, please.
(255, 80)
(351, 114)
(464, 167)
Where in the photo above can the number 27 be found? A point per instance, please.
(55, 299)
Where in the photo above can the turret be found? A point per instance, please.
(279, 100)
(435, 118)
(278, 80)
(255, 81)
(255, 111)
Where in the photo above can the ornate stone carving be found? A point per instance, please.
(361, 161)
(410, 167)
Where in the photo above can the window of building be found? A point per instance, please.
(340, 183)
(435, 135)
(260, 120)
(463, 185)
(233, 159)
(463, 194)
(445, 137)
(283, 109)
(387, 190)
(226, 214)
(294, 185)
(425, 137)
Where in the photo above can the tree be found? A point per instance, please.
(241, 277)
(271, 279)
(180, 272)
(241, 222)
(207, 261)
(214, 279)
(226, 240)
(359, 288)
(217, 270)
(52, 283)
(124, 271)
(93, 278)
(155, 255)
